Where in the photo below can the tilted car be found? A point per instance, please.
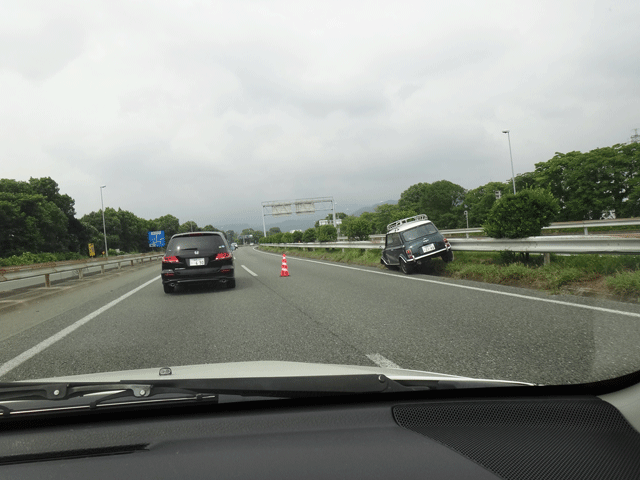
(197, 257)
(413, 241)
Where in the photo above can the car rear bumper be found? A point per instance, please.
(175, 277)
(434, 253)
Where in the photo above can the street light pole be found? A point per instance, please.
(104, 227)
(513, 177)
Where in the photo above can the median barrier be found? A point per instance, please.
(46, 269)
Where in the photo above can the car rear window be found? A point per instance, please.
(199, 242)
(419, 231)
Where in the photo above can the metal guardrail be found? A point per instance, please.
(565, 244)
(584, 224)
(39, 270)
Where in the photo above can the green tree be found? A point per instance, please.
(35, 217)
(356, 228)
(521, 215)
(49, 189)
(442, 203)
(297, 236)
(326, 233)
(385, 214)
(309, 235)
(589, 185)
(169, 224)
(133, 233)
(189, 226)
(525, 180)
(413, 197)
(478, 202)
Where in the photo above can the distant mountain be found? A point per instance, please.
(372, 208)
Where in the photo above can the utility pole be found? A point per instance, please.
(104, 227)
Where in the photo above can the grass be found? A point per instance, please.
(28, 258)
(599, 274)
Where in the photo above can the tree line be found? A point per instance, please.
(36, 217)
(569, 187)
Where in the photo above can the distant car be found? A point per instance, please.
(197, 257)
(413, 241)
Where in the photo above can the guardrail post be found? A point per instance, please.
(132, 263)
(80, 274)
(47, 281)
(547, 258)
(102, 269)
(586, 231)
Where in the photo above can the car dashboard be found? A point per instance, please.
(480, 435)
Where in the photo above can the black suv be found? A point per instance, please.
(414, 241)
(197, 257)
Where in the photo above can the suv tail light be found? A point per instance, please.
(170, 260)
(222, 256)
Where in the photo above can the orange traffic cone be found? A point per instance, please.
(285, 271)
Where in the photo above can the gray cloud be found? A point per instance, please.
(234, 104)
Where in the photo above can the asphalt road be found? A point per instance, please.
(323, 312)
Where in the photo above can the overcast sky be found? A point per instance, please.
(204, 110)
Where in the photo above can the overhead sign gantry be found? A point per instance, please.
(306, 206)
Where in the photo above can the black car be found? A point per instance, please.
(414, 241)
(197, 257)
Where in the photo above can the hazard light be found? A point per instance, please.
(170, 260)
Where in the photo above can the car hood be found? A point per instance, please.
(261, 369)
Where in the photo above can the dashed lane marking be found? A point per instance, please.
(382, 361)
(252, 273)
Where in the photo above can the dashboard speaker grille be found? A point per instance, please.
(549, 438)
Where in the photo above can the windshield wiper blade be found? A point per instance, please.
(195, 389)
(211, 389)
(62, 391)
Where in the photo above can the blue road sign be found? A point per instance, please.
(156, 239)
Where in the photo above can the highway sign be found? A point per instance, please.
(156, 239)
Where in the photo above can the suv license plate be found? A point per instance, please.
(428, 248)
(194, 262)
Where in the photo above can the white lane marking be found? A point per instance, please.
(381, 361)
(477, 289)
(24, 356)
(254, 274)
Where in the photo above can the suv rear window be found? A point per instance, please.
(199, 242)
(419, 231)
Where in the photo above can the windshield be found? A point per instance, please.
(299, 131)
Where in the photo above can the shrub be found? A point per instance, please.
(356, 228)
(326, 233)
(309, 235)
(521, 215)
